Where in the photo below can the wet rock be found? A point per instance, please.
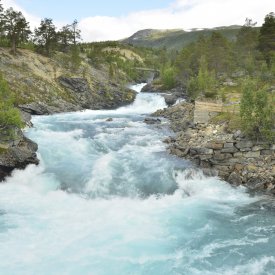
(18, 157)
(151, 88)
(109, 119)
(152, 120)
(170, 99)
(234, 178)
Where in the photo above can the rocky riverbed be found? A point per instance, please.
(230, 156)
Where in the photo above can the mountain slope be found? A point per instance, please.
(175, 39)
(54, 85)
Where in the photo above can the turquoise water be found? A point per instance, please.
(107, 199)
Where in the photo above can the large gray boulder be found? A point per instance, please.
(171, 99)
(17, 155)
(35, 108)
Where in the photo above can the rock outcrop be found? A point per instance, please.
(16, 152)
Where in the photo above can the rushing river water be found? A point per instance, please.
(107, 199)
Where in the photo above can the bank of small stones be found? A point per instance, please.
(230, 156)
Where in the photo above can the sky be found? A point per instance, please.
(112, 20)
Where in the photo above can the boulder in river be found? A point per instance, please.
(17, 155)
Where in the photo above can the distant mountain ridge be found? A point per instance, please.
(175, 39)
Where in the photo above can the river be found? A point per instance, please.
(108, 199)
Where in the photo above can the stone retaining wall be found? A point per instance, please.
(237, 161)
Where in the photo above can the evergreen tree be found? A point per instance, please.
(218, 53)
(246, 46)
(1, 19)
(75, 32)
(16, 28)
(267, 38)
(46, 36)
(69, 35)
(65, 38)
(247, 37)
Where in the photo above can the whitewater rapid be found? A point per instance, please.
(108, 199)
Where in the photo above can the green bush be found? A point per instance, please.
(168, 78)
(9, 115)
(257, 112)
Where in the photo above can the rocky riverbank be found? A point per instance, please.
(16, 152)
(230, 156)
(43, 85)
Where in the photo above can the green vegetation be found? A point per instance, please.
(257, 111)
(15, 28)
(204, 82)
(168, 77)
(219, 65)
(9, 115)
(267, 39)
(220, 69)
(174, 40)
(123, 61)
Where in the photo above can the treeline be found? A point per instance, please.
(212, 58)
(45, 39)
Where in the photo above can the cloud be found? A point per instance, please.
(184, 14)
(34, 20)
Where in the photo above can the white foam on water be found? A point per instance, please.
(107, 199)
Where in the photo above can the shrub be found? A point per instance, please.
(168, 78)
(9, 115)
(256, 111)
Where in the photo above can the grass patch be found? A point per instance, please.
(233, 120)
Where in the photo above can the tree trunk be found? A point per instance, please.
(13, 45)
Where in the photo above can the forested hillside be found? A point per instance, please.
(239, 73)
(176, 39)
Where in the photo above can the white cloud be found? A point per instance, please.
(34, 20)
(185, 14)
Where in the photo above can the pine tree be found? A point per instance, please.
(75, 32)
(16, 28)
(246, 46)
(46, 36)
(267, 38)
